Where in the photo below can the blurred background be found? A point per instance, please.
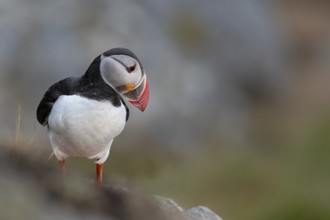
(239, 114)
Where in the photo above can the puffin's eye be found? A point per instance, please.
(131, 68)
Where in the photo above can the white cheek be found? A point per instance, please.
(134, 77)
(112, 72)
(116, 75)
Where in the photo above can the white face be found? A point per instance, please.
(121, 72)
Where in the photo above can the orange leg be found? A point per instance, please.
(62, 165)
(99, 173)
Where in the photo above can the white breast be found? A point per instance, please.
(83, 127)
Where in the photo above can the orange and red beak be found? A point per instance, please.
(139, 96)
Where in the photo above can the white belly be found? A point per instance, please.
(83, 127)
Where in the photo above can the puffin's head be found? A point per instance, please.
(121, 69)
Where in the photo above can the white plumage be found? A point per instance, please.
(84, 127)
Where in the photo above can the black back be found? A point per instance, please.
(90, 85)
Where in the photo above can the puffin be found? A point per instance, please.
(84, 114)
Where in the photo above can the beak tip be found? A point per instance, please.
(143, 108)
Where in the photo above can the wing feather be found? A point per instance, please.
(63, 87)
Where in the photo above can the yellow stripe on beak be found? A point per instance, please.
(130, 87)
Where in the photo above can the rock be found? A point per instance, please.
(38, 191)
(171, 207)
(201, 213)
(168, 204)
(196, 213)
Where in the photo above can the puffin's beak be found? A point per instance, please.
(139, 96)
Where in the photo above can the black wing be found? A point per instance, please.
(63, 87)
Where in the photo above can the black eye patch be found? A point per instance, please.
(131, 68)
(128, 69)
